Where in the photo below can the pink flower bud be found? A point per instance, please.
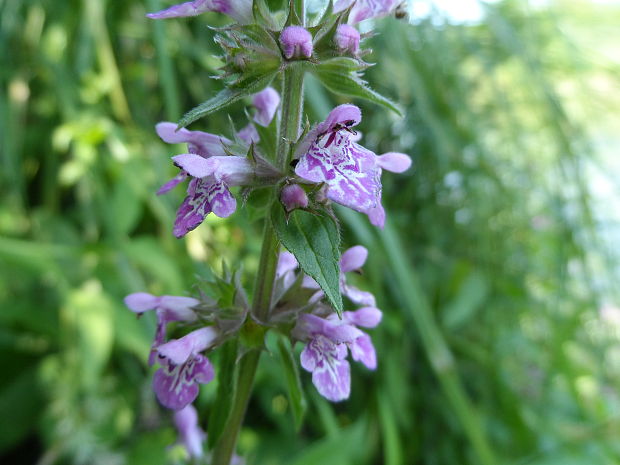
(296, 42)
(293, 196)
(347, 38)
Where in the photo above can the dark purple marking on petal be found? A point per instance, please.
(177, 385)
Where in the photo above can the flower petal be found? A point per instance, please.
(195, 165)
(315, 166)
(193, 209)
(343, 115)
(178, 308)
(182, 10)
(353, 258)
(266, 103)
(359, 297)
(176, 385)
(140, 302)
(376, 216)
(234, 170)
(366, 9)
(309, 357)
(179, 178)
(202, 370)
(394, 161)
(286, 262)
(171, 389)
(249, 134)
(366, 317)
(363, 351)
(332, 379)
(356, 183)
(190, 434)
(222, 202)
(178, 351)
(201, 143)
(339, 332)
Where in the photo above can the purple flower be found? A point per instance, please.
(183, 368)
(201, 143)
(347, 39)
(249, 134)
(366, 9)
(326, 350)
(351, 260)
(266, 103)
(239, 10)
(351, 172)
(208, 190)
(296, 42)
(285, 272)
(293, 196)
(190, 434)
(167, 307)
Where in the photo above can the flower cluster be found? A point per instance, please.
(329, 338)
(313, 168)
(183, 366)
(212, 170)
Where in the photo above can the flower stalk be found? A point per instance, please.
(299, 292)
(290, 125)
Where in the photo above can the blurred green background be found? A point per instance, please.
(496, 273)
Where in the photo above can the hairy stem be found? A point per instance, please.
(292, 106)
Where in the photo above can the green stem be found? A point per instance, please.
(292, 106)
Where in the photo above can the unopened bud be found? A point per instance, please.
(296, 42)
(347, 38)
(293, 196)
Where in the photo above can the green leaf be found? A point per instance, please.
(225, 391)
(293, 382)
(226, 97)
(340, 77)
(261, 13)
(314, 240)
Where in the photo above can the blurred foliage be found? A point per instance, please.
(491, 271)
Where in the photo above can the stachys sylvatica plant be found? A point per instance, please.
(301, 277)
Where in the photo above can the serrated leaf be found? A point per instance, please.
(337, 76)
(314, 240)
(225, 391)
(224, 98)
(293, 382)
